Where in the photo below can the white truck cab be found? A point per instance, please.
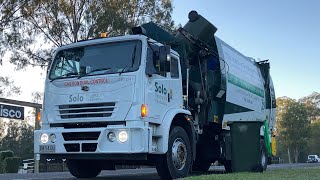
(100, 102)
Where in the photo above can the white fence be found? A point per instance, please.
(28, 166)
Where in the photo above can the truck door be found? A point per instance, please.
(164, 91)
(175, 92)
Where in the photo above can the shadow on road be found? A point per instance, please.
(148, 176)
(154, 176)
(134, 174)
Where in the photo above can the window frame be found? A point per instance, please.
(55, 62)
(173, 58)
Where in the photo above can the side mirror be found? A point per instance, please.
(88, 69)
(164, 58)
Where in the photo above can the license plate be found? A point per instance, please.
(47, 148)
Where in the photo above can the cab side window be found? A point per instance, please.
(153, 62)
(174, 68)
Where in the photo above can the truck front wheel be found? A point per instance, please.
(84, 168)
(176, 162)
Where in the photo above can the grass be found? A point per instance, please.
(311, 173)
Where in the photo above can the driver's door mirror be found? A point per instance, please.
(164, 58)
(158, 62)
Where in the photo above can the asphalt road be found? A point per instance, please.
(132, 174)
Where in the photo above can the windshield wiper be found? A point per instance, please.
(65, 75)
(70, 74)
(132, 60)
(96, 70)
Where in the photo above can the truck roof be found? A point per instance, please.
(103, 40)
(112, 39)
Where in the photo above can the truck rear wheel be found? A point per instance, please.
(176, 162)
(84, 168)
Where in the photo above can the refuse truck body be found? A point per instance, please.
(154, 98)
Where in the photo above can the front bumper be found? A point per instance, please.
(74, 142)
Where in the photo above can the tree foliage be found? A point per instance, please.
(37, 97)
(7, 87)
(47, 24)
(298, 127)
(312, 103)
(292, 127)
(313, 142)
(9, 14)
(17, 136)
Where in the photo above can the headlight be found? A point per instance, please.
(53, 138)
(123, 136)
(111, 136)
(44, 138)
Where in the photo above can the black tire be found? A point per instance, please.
(269, 161)
(166, 166)
(227, 166)
(84, 168)
(263, 155)
(200, 166)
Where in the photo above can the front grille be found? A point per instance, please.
(89, 147)
(79, 136)
(72, 147)
(87, 124)
(86, 110)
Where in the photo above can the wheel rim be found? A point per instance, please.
(263, 159)
(179, 154)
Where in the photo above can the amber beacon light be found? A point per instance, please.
(104, 35)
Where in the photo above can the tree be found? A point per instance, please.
(9, 14)
(7, 87)
(292, 126)
(18, 137)
(47, 24)
(37, 97)
(2, 128)
(312, 103)
(313, 142)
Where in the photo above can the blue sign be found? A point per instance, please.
(11, 112)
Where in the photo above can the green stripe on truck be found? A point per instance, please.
(245, 85)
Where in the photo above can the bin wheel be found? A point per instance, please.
(201, 166)
(227, 166)
(263, 155)
(176, 163)
(83, 168)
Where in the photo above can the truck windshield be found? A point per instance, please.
(119, 57)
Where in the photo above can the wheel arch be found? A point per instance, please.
(177, 117)
(262, 131)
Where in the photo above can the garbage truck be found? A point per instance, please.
(155, 98)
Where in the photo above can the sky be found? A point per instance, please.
(286, 32)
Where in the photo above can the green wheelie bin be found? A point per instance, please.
(245, 146)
